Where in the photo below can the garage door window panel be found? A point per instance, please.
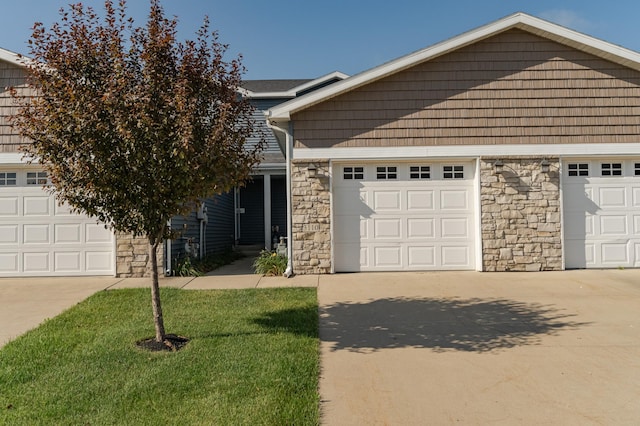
(353, 173)
(453, 172)
(611, 169)
(420, 172)
(8, 179)
(386, 173)
(578, 169)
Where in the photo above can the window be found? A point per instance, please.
(579, 169)
(420, 172)
(386, 172)
(453, 172)
(8, 179)
(637, 169)
(36, 178)
(352, 173)
(611, 169)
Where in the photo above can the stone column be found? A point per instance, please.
(521, 229)
(311, 214)
(132, 257)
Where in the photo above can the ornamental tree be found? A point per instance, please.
(133, 126)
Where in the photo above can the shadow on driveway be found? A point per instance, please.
(470, 325)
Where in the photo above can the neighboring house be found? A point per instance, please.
(40, 238)
(255, 214)
(513, 147)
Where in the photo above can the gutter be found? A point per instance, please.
(289, 147)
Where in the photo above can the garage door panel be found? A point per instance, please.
(420, 228)
(387, 257)
(422, 256)
(420, 200)
(36, 234)
(387, 201)
(455, 256)
(67, 262)
(96, 233)
(36, 262)
(98, 261)
(613, 225)
(454, 227)
(612, 197)
(8, 206)
(36, 206)
(387, 228)
(454, 199)
(62, 209)
(68, 233)
(8, 234)
(614, 253)
(636, 225)
(9, 263)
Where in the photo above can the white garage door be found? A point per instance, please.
(40, 238)
(602, 213)
(397, 216)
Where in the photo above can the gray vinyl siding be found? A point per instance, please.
(272, 152)
(187, 227)
(219, 234)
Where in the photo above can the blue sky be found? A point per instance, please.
(307, 39)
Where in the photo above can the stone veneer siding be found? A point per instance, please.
(521, 227)
(311, 214)
(132, 257)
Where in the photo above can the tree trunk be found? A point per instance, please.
(158, 320)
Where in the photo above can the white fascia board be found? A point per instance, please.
(291, 93)
(467, 151)
(13, 58)
(14, 158)
(522, 21)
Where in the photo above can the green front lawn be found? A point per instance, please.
(252, 360)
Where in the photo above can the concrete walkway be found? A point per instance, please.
(438, 348)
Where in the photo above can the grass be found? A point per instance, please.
(252, 359)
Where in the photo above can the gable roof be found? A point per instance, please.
(12, 57)
(287, 88)
(522, 21)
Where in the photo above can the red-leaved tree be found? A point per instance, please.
(133, 126)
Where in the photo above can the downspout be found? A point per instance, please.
(288, 140)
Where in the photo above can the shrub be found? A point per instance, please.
(270, 263)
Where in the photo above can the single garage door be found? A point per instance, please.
(601, 213)
(40, 238)
(403, 216)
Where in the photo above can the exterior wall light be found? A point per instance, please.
(499, 166)
(544, 166)
(312, 170)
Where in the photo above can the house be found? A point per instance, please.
(40, 238)
(255, 214)
(512, 147)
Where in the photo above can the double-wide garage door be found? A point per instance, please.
(40, 238)
(601, 213)
(403, 216)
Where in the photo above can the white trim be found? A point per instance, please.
(479, 261)
(467, 151)
(266, 182)
(561, 195)
(13, 58)
(14, 158)
(332, 220)
(293, 92)
(542, 28)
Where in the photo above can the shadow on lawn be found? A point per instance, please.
(301, 321)
(471, 325)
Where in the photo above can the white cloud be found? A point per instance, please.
(567, 18)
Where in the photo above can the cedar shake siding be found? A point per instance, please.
(10, 76)
(512, 88)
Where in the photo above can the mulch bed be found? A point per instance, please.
(171, 343)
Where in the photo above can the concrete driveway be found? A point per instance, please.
(481, 348)
(438, 348)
